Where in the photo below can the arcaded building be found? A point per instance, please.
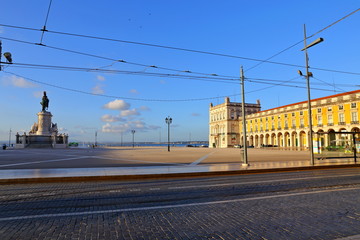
(286, 126)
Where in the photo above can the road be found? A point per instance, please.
(322, 204)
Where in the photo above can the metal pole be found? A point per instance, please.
(168, 136)
(133, 133)
(0, 55)
(9, 137)
(245, 162)
(310, 140)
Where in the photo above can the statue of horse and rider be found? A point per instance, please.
(44, 102)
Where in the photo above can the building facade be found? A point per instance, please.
(224, 122)
(288, 126)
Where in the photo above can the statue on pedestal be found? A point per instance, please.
(44, 102)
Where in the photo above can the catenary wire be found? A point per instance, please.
(46, 19)
(332, 24)
(153, 66)
(113, 59)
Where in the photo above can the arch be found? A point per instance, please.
(302, 139)
(273, 139)
(280, 139)
(355, 129)
(262, 140)
(267, 139)
(287, 139)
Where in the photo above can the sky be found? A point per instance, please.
(138, 62)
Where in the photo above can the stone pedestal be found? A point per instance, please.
(43, 134)
(44, 123)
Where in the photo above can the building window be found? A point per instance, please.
(330, 119)
(286, 115)
(293, 124)
(354, 116)
(341, 107)
(272, 117)
(353, 105)
(319, 119)
(301, 122)
(301, 113)
(319, 110)
(341, 118)
(329, 109)
(293, 114)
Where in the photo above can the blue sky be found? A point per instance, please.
(247, 29)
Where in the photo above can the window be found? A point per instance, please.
(319, 119)
(272, 117)
(286, 115)
(354, 116)
(330, 119)
(293, 114)
(341, 107)
(301, 122)
(301, 113)
(329, 109)
(319, 110)
(353, 105)
(293, 123)
(341, 118)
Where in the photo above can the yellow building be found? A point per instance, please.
(287, 126)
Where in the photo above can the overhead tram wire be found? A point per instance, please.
(46, 19)
(321, 30)
(140, 99)
(185, 49)
(66, 68)
(148, 74)
(117, 97)
(115, 60)
(169, 69)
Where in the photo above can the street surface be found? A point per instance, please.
(318, 204)
(130, 157)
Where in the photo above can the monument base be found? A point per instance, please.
(43, 134)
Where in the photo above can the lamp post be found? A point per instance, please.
(168, 121)
(133, 133)
(308, 75)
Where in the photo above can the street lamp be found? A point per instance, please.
(307, 76)
(133, 133)
(168, 121)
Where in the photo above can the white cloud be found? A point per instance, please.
(38, 94)
(18, 82)
(100, 78)
(134, 91)
(97, 90)
(111, 118)
(117, 105)
(144, 108)
(131, 112)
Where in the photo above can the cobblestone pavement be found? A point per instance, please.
(294, 205)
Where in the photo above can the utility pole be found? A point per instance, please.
(95, 138)
(0, 55)
(245, 162)
(308, 75)
(9, 137)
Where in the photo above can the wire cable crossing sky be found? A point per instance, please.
(142, 61)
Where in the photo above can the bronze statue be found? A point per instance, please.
(44, 102)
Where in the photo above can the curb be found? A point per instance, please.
(170, 175)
